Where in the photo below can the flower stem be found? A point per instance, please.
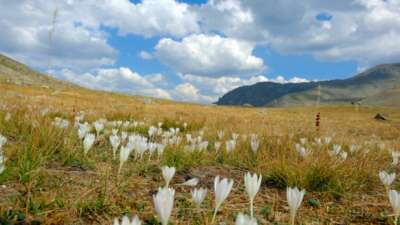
(120, 168)
(251, 208)
(395, 220)
(215, 214)
(292, 217)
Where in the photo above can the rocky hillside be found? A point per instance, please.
(377, 86)
(14, 72)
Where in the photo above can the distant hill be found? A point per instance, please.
(378, 86)
(14, 72)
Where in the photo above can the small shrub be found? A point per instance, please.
(317, 179)
(277, 179)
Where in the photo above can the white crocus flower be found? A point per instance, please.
(168, 173)
(3, 141)
(303, 152)
(124, 153)
(115, 142)
(199, 195)
(242, 219)
(152, 131)
(160, 149)
(235, 136)
(124, 135)
(327, 140)
(343, 155)
(387, 179)
(220, 134)
(164, 203)
(88, 142)
(99, 126)
(254, 143)
(395, 156)
(336, 150)
(141, 146)
(294, 198)
(189, 138)
(222, 188)
(394, 198)
(353, 148)
(83, 129)
(191, 183)
(252, 184)
(126, 221)
(152, 148)
(318, 141)
(114, 131)
(230, 145)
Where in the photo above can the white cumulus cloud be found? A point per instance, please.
(365, 31)
(209, 55)
(121, 80)
(148, 18)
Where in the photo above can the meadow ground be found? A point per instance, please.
(49, 180)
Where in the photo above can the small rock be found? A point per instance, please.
(381, 117)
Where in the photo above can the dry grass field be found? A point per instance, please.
(49, 180)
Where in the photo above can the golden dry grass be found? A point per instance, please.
(49, 180)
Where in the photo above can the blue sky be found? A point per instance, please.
(197, 50)
(303, 65)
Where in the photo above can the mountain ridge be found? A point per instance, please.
(358, 89)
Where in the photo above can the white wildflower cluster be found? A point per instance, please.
(338, 152)
(322, 141)
(394, 196)
(195, 144)
(163, 200)
(60, 123)
(171, 137)
(127, 140)
(136, 143)
(353, 148)
(301, 148)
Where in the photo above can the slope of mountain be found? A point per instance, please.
(390, 98)
(372, 87)
(14, 72)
